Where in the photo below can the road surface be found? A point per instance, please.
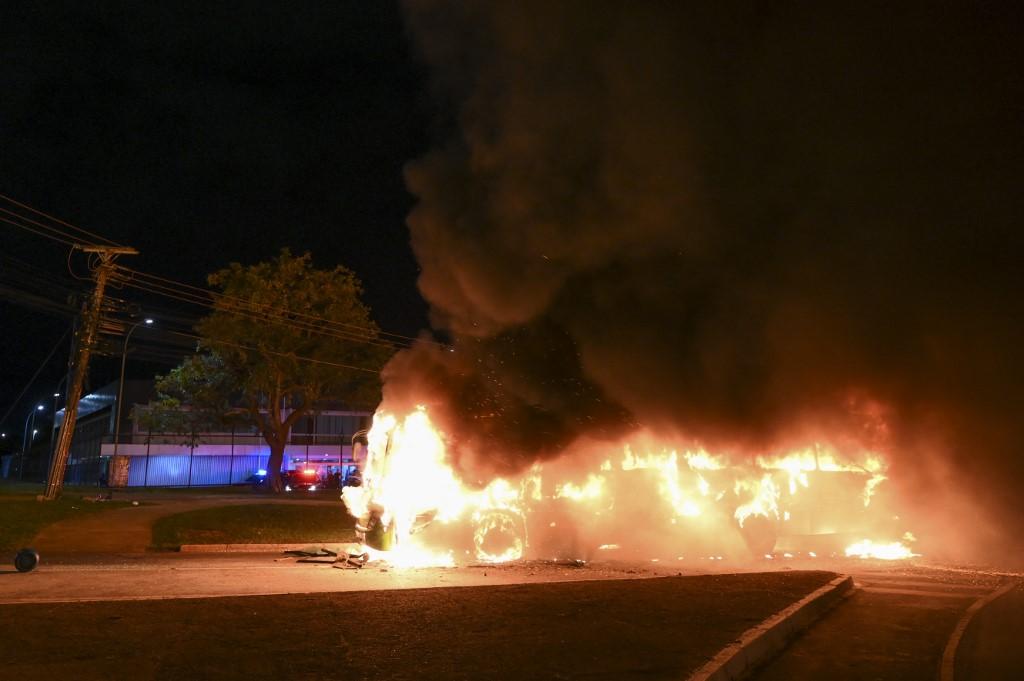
(897, 626)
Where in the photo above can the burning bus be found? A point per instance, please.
(641, 502)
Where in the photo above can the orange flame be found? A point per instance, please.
(408, 482)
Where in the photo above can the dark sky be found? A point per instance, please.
(203, 134)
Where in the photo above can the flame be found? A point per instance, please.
(869, 549)
(408, 483)
(407, 479)
(666, 464)
(764, 498)
(496, 522)
(593, 488)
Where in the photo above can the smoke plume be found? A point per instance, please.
(738, 226)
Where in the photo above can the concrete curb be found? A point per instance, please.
(947, 671)
(253, 548)
(760, 643)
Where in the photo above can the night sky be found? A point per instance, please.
(201, 135)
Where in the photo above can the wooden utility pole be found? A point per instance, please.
(86, 341)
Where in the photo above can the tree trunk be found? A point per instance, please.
(274, 467)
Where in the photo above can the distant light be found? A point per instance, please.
(312, 488)
(56, 394)
(34, 432)
(310, 471)
(287, 488)
(40, 407)
(262, 471)
(149, 320)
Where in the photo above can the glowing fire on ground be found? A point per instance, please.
(409, 484)
(869, 549)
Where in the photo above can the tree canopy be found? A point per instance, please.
(284, 338)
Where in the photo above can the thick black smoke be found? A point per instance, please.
(738, 225)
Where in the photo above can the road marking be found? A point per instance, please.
(914, 592)
(927, 586)
(949, 654)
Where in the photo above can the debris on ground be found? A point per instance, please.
(351, 561)
(312, 552)
(347, 557)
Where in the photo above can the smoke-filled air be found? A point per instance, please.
(741, 232)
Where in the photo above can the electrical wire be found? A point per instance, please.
(199, 296)
(36, 231)
(59, 221)
(170, 283)
(34, 377)
(51, 228)
(71, 271)
(279, 354)
(294, 324)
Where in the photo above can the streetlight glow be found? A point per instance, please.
(149, 320)
(39, 407)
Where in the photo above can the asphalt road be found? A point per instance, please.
(75, 577)
(898, 625)
(991, 647)
(598, 630)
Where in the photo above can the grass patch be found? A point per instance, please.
(255, 524)
(22, 517)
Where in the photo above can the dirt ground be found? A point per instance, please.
(628, 629)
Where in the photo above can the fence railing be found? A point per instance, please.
(225, 439)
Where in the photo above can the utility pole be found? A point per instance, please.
(89, 330)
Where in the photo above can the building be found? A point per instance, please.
(321, 442)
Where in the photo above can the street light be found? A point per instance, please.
(53, 426)
(24, 437)
(120, 386)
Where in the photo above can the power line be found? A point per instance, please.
(292, 324)
(51, 228)
(34, 377)
(170, 283)
(295, 324)
(279, 354)
(33, 270)
(59, 221)
(195, 295)
(36, 231)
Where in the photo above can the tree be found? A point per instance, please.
(195, 398)
(283, 338)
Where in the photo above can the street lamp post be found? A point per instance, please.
(53, 427)
(25, 442)
(120, 389)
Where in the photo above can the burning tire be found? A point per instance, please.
(760, 534)
(499, 535)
